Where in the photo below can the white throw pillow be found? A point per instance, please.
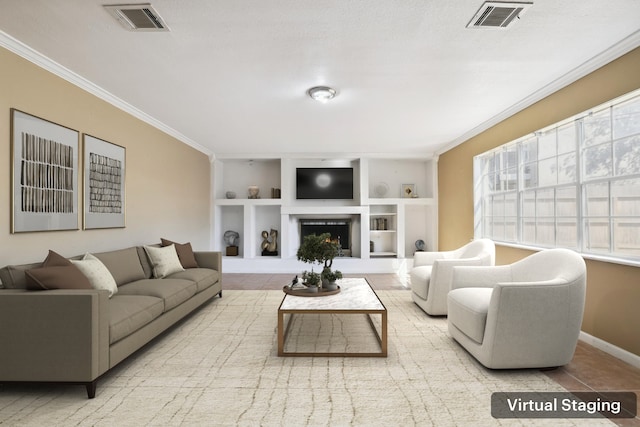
(97, 273)
(164, 260)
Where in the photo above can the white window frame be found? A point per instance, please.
(489, 186)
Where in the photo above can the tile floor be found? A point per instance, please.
(590, 370)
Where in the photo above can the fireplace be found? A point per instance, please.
(339, 229)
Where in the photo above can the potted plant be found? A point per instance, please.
(321, 250)
(329, 278)
(312, 280)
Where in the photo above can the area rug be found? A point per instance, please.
(220, 367)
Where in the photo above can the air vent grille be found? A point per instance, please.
(498, 14)
(138, 17)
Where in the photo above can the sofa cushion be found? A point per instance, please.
(172, 291)
(124, 265)
(56, 272)
(14, 277)
(467, 308)
(164, 260)
(185, 253)
(54, 259)
(128, 313)
(203, 277)
(420, 277)
(144, 260)
(57, 277)
(98, 275)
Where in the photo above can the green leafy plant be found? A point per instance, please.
(330, 275)
(311, 278)
(318, 249)
(321, 250)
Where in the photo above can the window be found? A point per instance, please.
(575, 184)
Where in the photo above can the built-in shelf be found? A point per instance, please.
(242, 202)
(401, 221)
(383, 254)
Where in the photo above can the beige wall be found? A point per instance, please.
(167, 182)
(612, 310)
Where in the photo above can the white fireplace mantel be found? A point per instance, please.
(324, 210)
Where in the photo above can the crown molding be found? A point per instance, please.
(48, 64)
(626, 45)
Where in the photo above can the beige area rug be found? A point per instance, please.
(220, 368)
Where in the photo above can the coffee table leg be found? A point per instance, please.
(280, 333)
(384, 333)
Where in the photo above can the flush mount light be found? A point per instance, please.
(322, 93)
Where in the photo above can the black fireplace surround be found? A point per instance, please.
(339, 229)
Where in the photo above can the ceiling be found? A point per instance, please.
(230, 77)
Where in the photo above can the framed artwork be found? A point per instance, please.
(104, 184)
(408, 191)
(44, 175)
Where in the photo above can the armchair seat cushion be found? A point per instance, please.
(468, 308)
(420, 277)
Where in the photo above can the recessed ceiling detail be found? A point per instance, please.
(494, 14)
(137, 17)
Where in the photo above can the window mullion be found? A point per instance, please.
(580, 189)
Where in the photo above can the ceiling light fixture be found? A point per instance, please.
(322, 93)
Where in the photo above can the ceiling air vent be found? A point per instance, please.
(495, 14)
(137, 17)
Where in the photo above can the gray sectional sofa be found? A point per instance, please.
(74, 334)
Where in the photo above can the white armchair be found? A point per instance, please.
(523, 315)
(432, 272)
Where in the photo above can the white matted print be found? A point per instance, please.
(104, 184)
(409, 191)
(44, 177)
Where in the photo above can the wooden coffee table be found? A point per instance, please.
(356, 297)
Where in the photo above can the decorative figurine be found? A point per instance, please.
(269, 243)
(231, 239)
(253, 191)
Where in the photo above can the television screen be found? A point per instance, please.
(324, 183)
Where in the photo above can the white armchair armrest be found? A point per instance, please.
(426, 258)
(442, 280)
(432, 274)
(479, 276)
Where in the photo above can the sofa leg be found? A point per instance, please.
(91, 389)
(220, 293)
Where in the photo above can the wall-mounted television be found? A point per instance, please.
(324, 183)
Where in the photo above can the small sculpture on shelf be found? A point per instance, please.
(253, 191)
(269, 243)
(231, 239)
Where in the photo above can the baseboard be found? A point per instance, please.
(620, 353)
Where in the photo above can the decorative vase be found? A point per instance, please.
(230, 194)
(329, 286)
(253, 191)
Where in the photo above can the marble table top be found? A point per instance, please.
(355, 294)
